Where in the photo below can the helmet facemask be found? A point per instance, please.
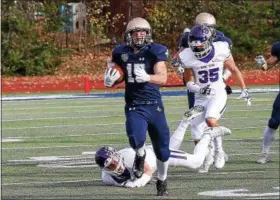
(133, 37)
(109, 160)
(200, 41)
(114, 164)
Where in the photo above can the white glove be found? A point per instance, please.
(246, 96)
(261, 62)
(111, 76)
(180, 70)
(145, 178)
(141, 75)
(207, 90)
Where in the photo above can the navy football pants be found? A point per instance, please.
(190, 99)
(151, 118)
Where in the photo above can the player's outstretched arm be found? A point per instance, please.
(263, 64)
(230, 64)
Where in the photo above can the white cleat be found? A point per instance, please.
(209, 160)
(194, 112)
(265, 158)
(217, 131)
(220, 159)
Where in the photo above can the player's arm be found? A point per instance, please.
(160, 76)
(230, 64)
(263, 64)
(145, 178)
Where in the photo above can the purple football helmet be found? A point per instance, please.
(200, 41)
(109, 160)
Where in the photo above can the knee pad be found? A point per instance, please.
(273, 123)
(197, 131)
(162, 154)
(135, 144)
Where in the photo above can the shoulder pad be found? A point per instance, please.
(159, 51)
(119, 49)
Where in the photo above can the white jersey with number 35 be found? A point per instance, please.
(208, 72)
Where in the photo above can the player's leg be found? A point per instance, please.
(270, 131)
(159, 133)
(136, 128)
(216, 108)
(191, 99)
(178, 135)
(195, 160)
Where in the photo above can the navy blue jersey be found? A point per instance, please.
(137, 93)
(275, 50)
(218, 37)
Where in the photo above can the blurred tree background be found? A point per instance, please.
(33, 45)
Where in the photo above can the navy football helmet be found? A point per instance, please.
(109, 160)
(200, 41)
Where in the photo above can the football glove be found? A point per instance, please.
(228, 90)
(180, 70)
(111, 76)
(207, 90)
(261, 62)
(175, 62)
(246, 96)
(141, 75)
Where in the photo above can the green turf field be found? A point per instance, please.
(48, 145)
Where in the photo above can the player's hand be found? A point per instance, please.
(246, 96)
(129, 184)
(180, 70)
(111, 76)
(228, 90)
(207, 90)
(175, 62)
(141, 75)
(261, 62)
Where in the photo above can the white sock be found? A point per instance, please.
(218, 143)
(269, 135)
(178, 135)
(140, 151)
(162, 169)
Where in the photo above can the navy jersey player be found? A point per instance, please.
(143, 63)
(274, 121)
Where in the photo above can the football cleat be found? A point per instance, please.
(194, 112)
(139, 162)
(161, 188)
(265, 158)
(217, 131)
(220, 159)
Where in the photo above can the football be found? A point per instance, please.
(121, 79)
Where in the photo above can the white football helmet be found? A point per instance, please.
(138, 24)
(208, 20)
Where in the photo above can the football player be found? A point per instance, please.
(269, 133)
(143, 64)
(117, 166)
(207, 60)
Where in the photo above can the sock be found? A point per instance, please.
(218, 142)
(162, 169)
(269, 135)
(140, 151)
(178, 135)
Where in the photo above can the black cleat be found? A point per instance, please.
(162, 188)
(139, 162)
